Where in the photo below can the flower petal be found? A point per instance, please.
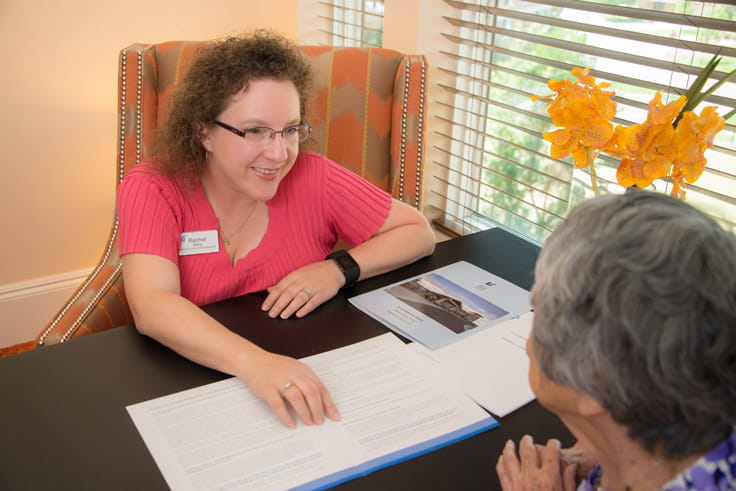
(596, 134)
(580, 157)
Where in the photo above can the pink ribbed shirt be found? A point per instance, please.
(317, 202)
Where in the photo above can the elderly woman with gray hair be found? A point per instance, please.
(634, 348)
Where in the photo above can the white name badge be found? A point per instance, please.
(202, 242)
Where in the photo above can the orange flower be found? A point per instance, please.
(583, 110)
(694, 135)
(655, 149)
(669, 144)
(647, 150)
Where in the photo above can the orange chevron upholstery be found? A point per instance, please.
(367, 113)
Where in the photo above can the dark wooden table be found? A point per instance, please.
(63, 422)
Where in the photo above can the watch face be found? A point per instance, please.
(345, 261)
(350, 269)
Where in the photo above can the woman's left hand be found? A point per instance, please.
(303, 290)
(537, 467)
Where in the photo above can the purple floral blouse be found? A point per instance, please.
(715, 471)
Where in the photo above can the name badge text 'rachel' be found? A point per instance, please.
(202, 242)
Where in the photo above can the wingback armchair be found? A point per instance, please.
(367, 113)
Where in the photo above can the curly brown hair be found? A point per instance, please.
(222, 69)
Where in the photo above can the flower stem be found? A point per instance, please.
(591, 155)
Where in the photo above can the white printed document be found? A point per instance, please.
(445, 305)
(492, 367)
(393, 404)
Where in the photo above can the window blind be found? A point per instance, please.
(355, 22)
(496, 168)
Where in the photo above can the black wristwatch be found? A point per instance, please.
(347, 265)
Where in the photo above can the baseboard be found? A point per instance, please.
(26, 307)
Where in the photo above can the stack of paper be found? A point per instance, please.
(393, 405)
(471, 323)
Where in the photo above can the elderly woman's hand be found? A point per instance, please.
(303, 290)
(537, 467)
(578, 455)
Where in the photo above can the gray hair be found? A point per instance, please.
(635, 305)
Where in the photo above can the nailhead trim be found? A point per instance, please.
(404, 110)
(121, 172)
(420, 135)
(139, 97)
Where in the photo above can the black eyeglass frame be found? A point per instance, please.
(242, 133)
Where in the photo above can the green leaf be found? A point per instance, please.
(694, 93)
(717, 84)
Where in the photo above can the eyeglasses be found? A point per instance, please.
(263, 135)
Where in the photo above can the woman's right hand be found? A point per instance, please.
(279, 380)
(153, 291)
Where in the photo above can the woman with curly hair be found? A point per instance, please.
(229, 206)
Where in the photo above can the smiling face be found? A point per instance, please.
(244, 169)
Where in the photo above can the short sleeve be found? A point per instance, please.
(148, 217)
(356, 207)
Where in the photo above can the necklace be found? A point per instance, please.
(226, 240)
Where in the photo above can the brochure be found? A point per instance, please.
(445, 305)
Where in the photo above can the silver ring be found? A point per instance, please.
(287, 386)
(308, 293)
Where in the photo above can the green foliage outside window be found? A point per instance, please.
(515, 153)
